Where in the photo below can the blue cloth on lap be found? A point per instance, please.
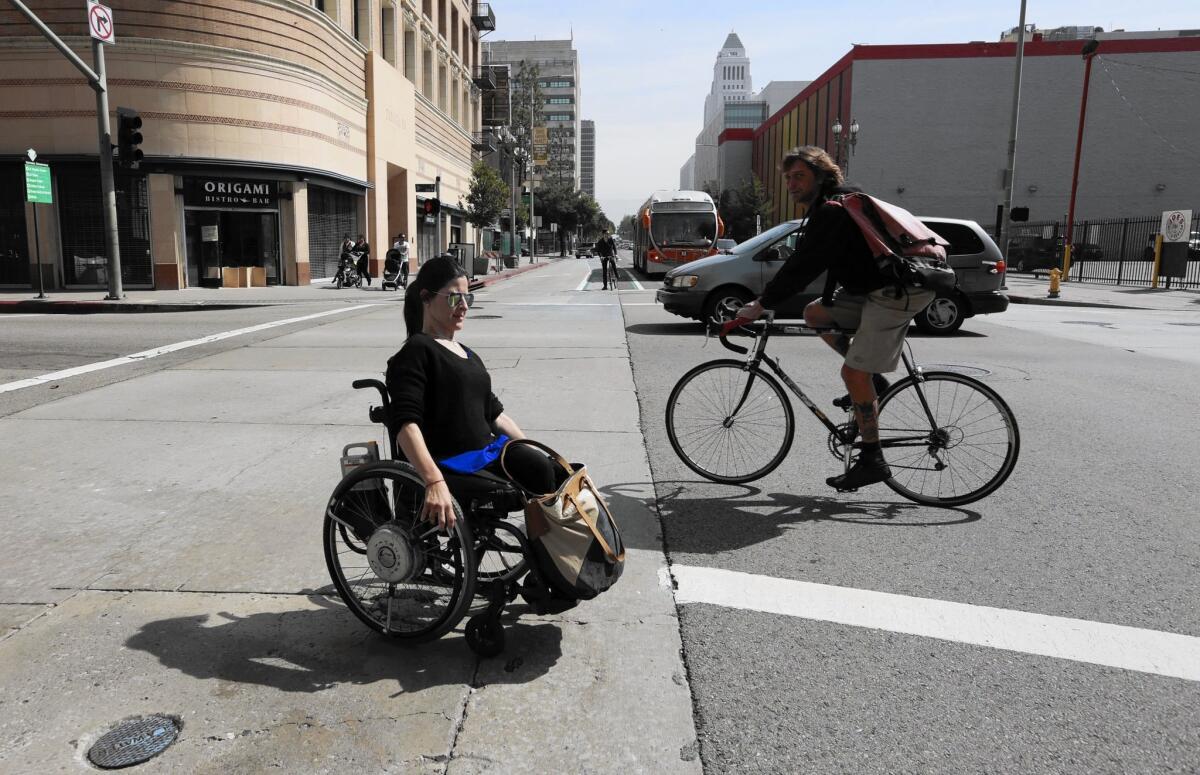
(476, 459)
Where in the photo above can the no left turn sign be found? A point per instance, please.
(100, 23)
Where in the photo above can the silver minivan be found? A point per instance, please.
(717, 286)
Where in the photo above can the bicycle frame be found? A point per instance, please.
(757, 356)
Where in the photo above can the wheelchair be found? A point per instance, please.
(407, 579)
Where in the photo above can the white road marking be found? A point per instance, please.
(25, 315)
(169, 348)
(552, 303)
(1098, 643)
(584, 282)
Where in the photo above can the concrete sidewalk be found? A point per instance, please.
(72, 302)
(164, 555)
(1028, 289)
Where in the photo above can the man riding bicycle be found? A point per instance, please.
(865, 300)
(606, 248)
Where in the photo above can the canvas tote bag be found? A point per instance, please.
(575, 541)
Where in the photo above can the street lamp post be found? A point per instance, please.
(843, 145)
(1089, 52)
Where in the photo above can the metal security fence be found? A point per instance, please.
(1118, 251)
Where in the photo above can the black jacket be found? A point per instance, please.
(606, 247)
(830, 241)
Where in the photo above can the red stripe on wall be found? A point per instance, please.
(735, 134)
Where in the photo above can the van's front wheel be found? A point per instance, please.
(723, 304)
(943, 315)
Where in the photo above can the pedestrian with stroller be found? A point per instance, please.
(402, 250)
(364, 258)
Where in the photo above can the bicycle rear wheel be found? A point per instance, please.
(729, 424)
(966, 454)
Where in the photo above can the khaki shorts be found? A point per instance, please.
(882, 319)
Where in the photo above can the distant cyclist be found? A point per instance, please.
(606, 248)
(865, 300)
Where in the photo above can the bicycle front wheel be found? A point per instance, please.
(729, 424)
(949, 441)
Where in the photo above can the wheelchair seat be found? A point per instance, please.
(483, 486)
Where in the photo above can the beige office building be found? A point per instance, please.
(272, 129)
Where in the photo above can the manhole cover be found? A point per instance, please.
(966, 371)
(486, 317)
(133, 742)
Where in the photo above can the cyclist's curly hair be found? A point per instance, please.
(819, 161)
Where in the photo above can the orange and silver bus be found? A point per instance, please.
(674, 227)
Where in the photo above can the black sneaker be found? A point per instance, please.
(881, 386)
(870, 468)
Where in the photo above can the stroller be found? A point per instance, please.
(394, 275)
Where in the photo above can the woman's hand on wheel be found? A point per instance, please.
(439, 506)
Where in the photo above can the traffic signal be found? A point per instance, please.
(129, 137)
(431, 207)
(1018, 214)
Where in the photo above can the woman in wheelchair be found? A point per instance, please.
(445, 417)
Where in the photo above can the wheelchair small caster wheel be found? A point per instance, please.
(485, 635)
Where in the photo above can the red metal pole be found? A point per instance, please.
(1087, 79)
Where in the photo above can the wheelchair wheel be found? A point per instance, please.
(485, 635)
(500, 551)
(412, 582)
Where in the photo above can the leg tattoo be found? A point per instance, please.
(868, 421)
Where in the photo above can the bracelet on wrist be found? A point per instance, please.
(435, 481)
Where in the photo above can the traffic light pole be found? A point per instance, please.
(437, 194)
(108, 189)
(98, 81)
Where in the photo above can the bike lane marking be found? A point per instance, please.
(1079, 640)
(168, 348)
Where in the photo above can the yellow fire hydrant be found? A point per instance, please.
(1055, 278)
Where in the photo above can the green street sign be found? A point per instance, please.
(37, 183)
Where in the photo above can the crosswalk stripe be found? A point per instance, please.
(1080, 640)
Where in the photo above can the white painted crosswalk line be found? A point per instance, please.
(1098, 643)
(169, 348)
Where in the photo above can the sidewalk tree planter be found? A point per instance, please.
(510, 262)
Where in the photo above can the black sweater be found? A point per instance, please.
(448, 397)
(831, 241)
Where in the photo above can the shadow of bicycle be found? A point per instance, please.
(695, 520)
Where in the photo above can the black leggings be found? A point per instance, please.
(530, 469)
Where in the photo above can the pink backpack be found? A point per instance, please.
(904, 248)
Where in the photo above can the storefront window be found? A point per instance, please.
(231, 223)
(332, 215)
(81, 215)
(14, 246)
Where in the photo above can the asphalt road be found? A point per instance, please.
(1096, 523)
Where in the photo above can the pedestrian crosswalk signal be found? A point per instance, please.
(1018, 214)
(431, 207)
(129, 137)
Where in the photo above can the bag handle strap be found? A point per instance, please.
(608, 551)
(536, 445)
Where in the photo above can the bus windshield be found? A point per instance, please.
(693, 230)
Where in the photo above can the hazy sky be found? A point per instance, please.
(646, 66)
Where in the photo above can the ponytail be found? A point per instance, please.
(435, 274)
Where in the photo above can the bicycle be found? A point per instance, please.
(950, 439)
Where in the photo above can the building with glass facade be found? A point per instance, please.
(587, 157)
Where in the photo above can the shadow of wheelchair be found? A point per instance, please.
(312, 649)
